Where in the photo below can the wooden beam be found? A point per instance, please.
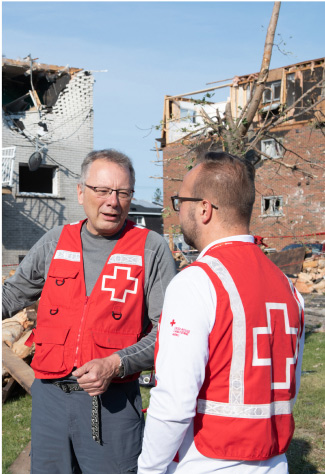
(198, 92)
(34, 96)
(222, 80)
(22, 464)
(17, 368)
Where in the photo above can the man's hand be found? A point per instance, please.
(96, 375)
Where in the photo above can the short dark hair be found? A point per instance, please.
(229, 182)
(110, 155)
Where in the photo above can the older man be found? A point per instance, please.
(102, 282)
(230, 340)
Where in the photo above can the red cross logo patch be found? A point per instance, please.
(279, 338)
(123, 283)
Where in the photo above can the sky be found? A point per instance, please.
(153, 49)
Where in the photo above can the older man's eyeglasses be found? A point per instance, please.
(177, 201)
(101, 192)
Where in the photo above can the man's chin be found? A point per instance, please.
(188, 240)
(108, 228)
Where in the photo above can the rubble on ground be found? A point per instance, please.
(312, 277)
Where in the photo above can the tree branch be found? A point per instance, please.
(281, 163)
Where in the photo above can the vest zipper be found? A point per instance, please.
(79, 333)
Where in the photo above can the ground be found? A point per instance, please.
(315, 312)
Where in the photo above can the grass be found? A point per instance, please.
(16, 415)
(306, 454)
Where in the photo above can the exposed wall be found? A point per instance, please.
(68, 139)
(303, 197)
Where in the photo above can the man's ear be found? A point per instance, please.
(205, 211)
(80, 194)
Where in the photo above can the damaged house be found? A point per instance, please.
(47, 130)
(290, 155)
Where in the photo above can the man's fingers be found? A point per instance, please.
(80, 371)
(93, 393)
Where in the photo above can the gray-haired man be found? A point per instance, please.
(102, 282)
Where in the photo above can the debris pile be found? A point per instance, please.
(15, 332)
(312, 277)
(180, 259)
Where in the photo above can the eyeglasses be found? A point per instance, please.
(122, 194)
(177, 201)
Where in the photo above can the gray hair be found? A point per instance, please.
(110, 155)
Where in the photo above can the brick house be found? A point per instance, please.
(290, 195)
(47, 130)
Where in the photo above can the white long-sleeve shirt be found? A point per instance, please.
(187, 320)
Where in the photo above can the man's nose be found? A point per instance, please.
(112, 199)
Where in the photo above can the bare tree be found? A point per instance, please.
(242, 135)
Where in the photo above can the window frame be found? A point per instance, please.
(139, 216)
(55, 183)
(274, 212)
(272, 85)
(277, 144)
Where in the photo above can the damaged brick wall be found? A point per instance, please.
(175, 167)
(303, 197)
(65, 131)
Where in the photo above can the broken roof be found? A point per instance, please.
(26, 83)
(14, 67)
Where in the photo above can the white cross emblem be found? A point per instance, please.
(126, 277)
(258, 361)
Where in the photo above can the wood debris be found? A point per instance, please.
(312, 277)
(16, 356)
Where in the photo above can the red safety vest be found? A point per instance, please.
(244, 408)
(73, 328)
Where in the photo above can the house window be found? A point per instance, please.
(188, 115)
(42, 181)
(272, 148)
(272, 93)
(139, 220)
(272, 206)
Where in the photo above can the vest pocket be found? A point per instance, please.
(105, 344)
(49, 349)
(61, 281)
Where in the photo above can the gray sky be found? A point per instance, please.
(155, 48)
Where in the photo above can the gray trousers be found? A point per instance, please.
(61, 430)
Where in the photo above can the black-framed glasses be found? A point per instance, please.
(177, 201)
(102, 192)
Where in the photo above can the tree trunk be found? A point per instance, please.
(262, 77)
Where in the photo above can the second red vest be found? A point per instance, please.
(244, 408)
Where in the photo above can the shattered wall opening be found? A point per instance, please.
(26, 85)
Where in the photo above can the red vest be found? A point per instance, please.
(73, 328)
(244, 408)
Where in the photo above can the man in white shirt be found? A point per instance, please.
(229, 347)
